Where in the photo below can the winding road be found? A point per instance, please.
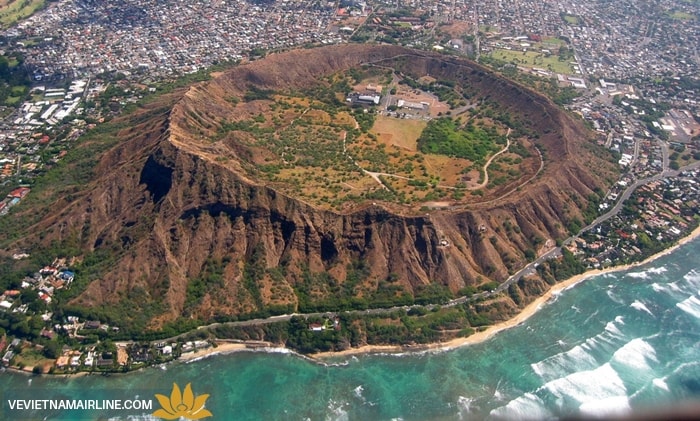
(525, 271)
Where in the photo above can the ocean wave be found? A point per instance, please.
(638, 305)
(358, 392)
(661, 384)
(639, 275)
(636, 354)
(614, 297)
(582, 356)
(658, 287)
(675, 287)
(611, 328)
(647, 273)
(608, 407)
(466, 406)
(525, 407)
(657, 271)
(595, 313)
(691, 305)
(577, 358)
(693, 278)
(588, 386)
(337, 411)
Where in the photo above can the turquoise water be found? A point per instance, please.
(615, 343)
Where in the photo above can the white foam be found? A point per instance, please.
(337, 411)
(693, 278)
(638, 305)
(614, 297)
(588, 386)
(657, 271)
(674, 286)
(575, 359)
(620, 320)
(611, 328)
(526, 407)
(612, 406)
(658, 288)
(636, 354)
(691, 306)
(638, 275)
(595, 313)
(465, 406)
(645, 274)
(661, 384)
(358, 392)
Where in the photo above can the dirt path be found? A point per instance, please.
(486, 166)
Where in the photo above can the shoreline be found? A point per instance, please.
(221, 348)
(524, 314)
(225, 347)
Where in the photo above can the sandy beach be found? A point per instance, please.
(221, 348)
(525, 314)
(226, 347)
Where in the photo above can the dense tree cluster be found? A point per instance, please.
(444, 136)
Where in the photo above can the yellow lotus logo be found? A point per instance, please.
(184, 405)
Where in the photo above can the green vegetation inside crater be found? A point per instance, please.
(318, 146)
(444, 136)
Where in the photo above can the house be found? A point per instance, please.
(106, 359)
(47, 333)
(67, 275)
(7, 357)
(62, 361)
(19, 192)
(316, 327)
(75, 360)
(89, 359)
(92, 324)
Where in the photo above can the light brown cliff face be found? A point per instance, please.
(172, 211)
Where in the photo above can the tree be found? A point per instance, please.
(52, 350)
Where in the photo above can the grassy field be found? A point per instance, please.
(12, 11)
(398, 132)
(534, 59)
(679, 15)
(30, 357)
(571, 19)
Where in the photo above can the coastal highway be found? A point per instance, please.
(555, 252)
(529, 269)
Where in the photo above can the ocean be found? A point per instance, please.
(615, 343)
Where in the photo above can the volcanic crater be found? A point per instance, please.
(261, 189)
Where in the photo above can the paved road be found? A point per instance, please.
(529, 269)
